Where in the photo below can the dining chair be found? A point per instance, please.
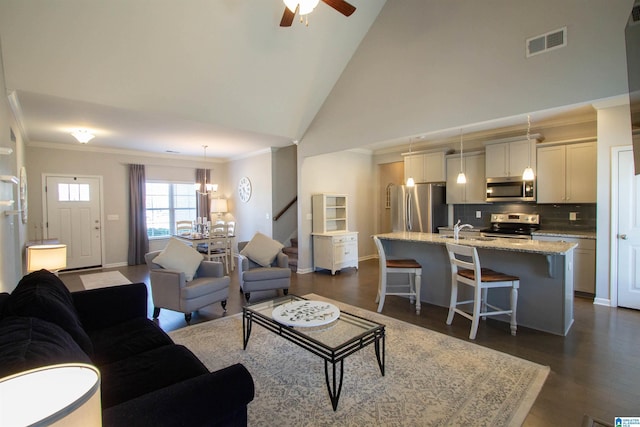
(216, 249)
(465, 269)
(184, 227)
(410, 267)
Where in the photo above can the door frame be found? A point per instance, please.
(45, 212)
(613, 233)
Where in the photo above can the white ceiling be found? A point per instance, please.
(162, 75)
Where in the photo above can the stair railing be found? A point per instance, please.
(286, 208)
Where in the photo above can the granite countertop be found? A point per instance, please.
(513, 245)
(575, 234)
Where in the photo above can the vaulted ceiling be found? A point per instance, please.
(172, 76)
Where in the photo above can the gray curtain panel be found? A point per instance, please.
(138, 239)
(202, 200)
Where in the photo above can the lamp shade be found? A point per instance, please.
(219, 205)
(56, 395)
(49, 257)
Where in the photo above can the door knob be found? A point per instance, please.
(623, 236)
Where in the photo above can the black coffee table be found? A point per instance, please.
(333, 342)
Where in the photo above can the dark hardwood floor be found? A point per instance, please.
(595, 369)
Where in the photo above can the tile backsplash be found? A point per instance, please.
(552, 216)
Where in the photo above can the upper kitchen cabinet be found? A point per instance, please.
(567, 173)
(509, 157)
(425, 167)
(474, 191)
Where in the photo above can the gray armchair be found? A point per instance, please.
(253, 277)
(170, 289)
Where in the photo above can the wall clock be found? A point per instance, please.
(244, 189)
(23, 194)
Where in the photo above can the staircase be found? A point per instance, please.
(292, 252)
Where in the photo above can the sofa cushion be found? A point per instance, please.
(42, 294)
(266, 273)
(28, 343)
(145, 372)
(178, 256)
(204, 286)
(126, 339)
(262, 249)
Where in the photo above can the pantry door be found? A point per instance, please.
(627, 237)
(73, 216)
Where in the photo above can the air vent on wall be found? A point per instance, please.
(544, 43)
(634, 18)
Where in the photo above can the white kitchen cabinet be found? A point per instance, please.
(426, 167)
(507, 159)
(335, 251)
(584, 262)
(567, 173)
(334, 247)
(475, 190)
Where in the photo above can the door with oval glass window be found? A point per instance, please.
(73, 216)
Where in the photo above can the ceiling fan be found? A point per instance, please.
(304, 7)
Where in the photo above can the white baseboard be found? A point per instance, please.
(116, 264)
(602, 301)
(304, 270)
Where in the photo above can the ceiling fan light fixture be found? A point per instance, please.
(291, 5)
(83, 135)
(307, 6)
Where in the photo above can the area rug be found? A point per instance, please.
(430, 379)
(103, 280)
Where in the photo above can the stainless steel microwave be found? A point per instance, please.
(510, 189)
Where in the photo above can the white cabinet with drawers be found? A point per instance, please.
(335, 251)
(334, 246)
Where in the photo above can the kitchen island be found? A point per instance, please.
(545, 299)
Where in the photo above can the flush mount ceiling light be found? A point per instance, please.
(83, 135)
(528, 174)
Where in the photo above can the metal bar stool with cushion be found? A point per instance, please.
(465, 268)
(392, 266)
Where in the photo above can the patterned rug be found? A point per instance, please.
(103, 280)
(430, 379)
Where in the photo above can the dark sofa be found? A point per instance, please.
(146, 379)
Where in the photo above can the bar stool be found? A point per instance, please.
(481, 279)
(404, 266)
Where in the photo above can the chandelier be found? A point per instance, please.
(205, 188)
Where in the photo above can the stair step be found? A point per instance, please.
(290, 251)
(294, 242)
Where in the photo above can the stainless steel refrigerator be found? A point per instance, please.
(418, 208)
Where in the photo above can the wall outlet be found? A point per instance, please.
(478, 214)
(573, 216)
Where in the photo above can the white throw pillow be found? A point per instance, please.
(178, 256)
(262, 249)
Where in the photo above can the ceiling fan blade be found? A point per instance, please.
(341, 6)
(287, 17)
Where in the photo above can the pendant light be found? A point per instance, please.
(528, 174)
(410, 180)
(462, 178)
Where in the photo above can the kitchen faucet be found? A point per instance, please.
(458, 227)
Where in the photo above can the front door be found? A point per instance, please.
(628, 233)
(73, 217)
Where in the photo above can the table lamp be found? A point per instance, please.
(219, 206)
(49, 257)
(56, 395)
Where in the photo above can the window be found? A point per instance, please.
(73, 192)
(166, 204)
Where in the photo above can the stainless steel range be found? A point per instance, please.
(512, 225)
